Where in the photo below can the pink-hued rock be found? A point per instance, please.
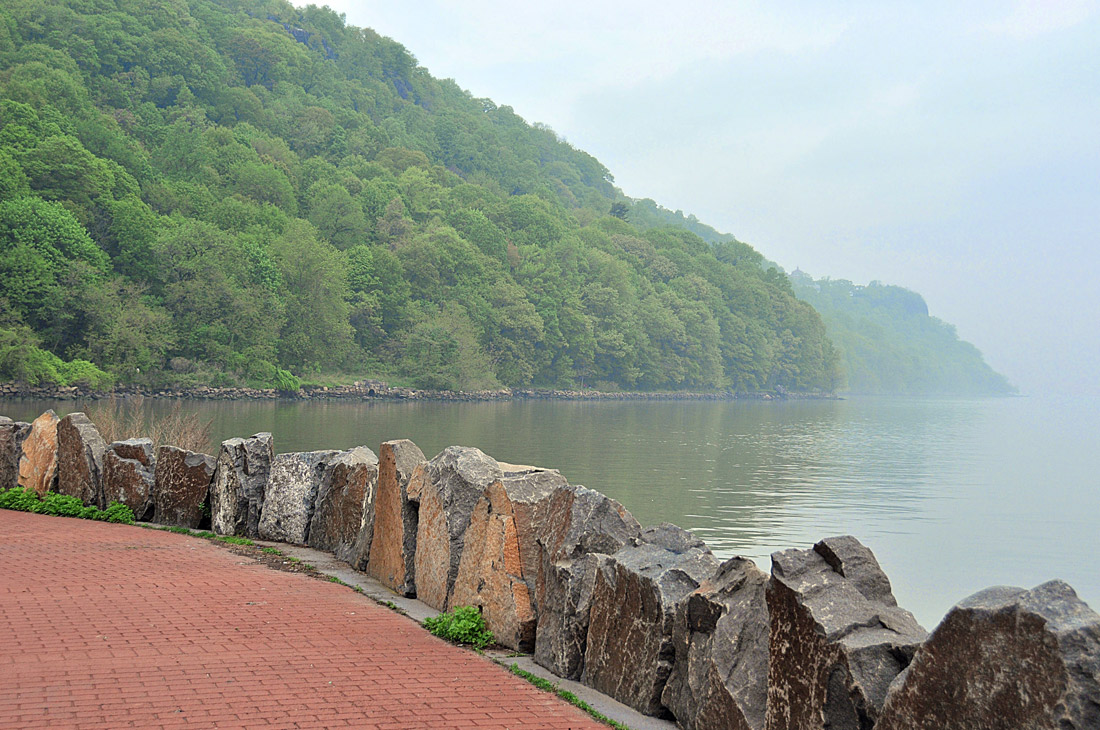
(500, 562)
(719, 677)
(453, 483)
(181, 486)
(1003, 659)
(80, 451)
(12, 435)
(240, 480)
(38, 463)
(581, 527)
(343, 514)
(393, 546)
(128, 475)
(634, 598)
(838, 638)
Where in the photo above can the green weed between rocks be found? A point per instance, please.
(463, 625)
(548, 686)
(61, 505)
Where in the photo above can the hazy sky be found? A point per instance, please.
(952, 148)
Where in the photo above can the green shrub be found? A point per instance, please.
(463, 625)
(62, 505)
(286, 382)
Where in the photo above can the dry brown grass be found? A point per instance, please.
(119, 419)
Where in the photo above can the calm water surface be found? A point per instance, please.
(952, 495)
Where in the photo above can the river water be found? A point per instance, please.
(952, 495)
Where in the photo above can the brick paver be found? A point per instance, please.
(112, 626)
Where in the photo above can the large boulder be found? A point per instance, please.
(12, 435)
(581, 525)
(181, 486)
(289, 498)
(453, 483)
(393, 546)
(1005, 658)
(500, 562)
(240, 480)
(838, 638)
(80, 459)
(128, 475)
(38, 462)
(719, 677)
(343, 515)
(629, 652)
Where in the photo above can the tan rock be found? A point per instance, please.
(393, 546)
(343, 515)
(449, 490)
(501, 559)
(80, 451)
(38, 464)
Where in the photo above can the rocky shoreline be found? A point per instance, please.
(646, 615)
(376, 390)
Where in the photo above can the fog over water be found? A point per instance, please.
(949, 148)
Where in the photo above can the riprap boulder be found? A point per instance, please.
(292, 487)
(38, 460)
(80, 459)
(838, 638)
(719, 677)
(240, 480)
(393, 546)
(629, 650)
(12, 435)
(451, 486)
(1003, 659)
(181, 486)
(343, 516)
(128, 475)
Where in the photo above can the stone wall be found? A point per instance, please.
(648, 616)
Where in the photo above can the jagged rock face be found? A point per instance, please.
(629, 652)
(501, 558)
(80, 459)
(12, 435)
(291, 490)
(454, 482)
(240, 480)
(1003, 659)
(181, 485)
(393, 547)
(38, 462)
(837, 640)
(343, 518)
(580, 524)
(719, 678)
(129, 474)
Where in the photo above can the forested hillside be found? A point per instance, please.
(889, 344)
(244, 192)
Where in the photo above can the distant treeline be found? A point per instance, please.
(245, 192)
(889, 344)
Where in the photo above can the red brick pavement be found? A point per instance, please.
(112, 626)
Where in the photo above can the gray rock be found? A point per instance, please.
(12, 435)
(580, 525)
(629, 652)
(291, 490)
(455, 480)
(129, 474)
(396, 515)
(240, 480)
(719, 676)
(181, 486)
(343, 515)
(1003, 659)
(80, 459)
(837, 640)
(502, 557)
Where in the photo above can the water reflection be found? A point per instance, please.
(953, 495)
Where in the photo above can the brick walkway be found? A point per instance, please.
(111, 626)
